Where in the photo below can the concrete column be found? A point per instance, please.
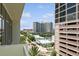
(57, 38)
(15, 32)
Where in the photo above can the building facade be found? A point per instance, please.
(36, 27)
(10, 14)
(42, 27)
(67, 29)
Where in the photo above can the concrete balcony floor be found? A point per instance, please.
(12, 50)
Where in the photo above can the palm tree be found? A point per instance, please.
(34, 50)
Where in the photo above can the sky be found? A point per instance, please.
(37, 12)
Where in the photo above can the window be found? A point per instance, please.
(56, 11)
(71, 10)
(72, 34)
(74, 23)
(0, 8)
(62, 19)
(56, 5)
(56, 16)
(56, 20)
(69, 55)
(62, 4)
(78, 15)
(70, 4)
(71, 17)
(78, 7)
(63, 8)
(5, 27)
(0, 31)
(63, 38)
(63, 13)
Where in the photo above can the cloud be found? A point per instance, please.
(27, 15)
(48, 15)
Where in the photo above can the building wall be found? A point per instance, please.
(57, 38)
(67, 19)
(43, 27)
(14, 12)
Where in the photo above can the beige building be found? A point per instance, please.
(10, 14)
(67, 29)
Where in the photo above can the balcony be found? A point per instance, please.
(70, 26)
(14, 50)
(63, 31)
(63, 54)
(63, 36)
(63, 45)
(73, 37)
(64, 50)
(70, 37)
(72, 53)
(72, 48)
(71, 31)
(69, 47)
(62, 40)
(68, 52)
(72, 43)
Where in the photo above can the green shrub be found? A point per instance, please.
(32, 38)
(53, 53)
(22, 39)
(34, 50)
(23, 33)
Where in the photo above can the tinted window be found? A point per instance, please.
(0, 8)
(62, 4)
(71, 10)
(56, 11)
(0, 31)
(78, 7)
(70, 4)
(62, 19)
(6, 27)
(56, 20)
(78, 15)
(56, 5)
(71, 17)
(62, 13)
(62, 8)
(56, 16)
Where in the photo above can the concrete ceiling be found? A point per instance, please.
(14, 10)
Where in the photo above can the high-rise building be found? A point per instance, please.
(49, 27)
(10, 14)
(36, 27)
(67, 29)
(43, 27)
